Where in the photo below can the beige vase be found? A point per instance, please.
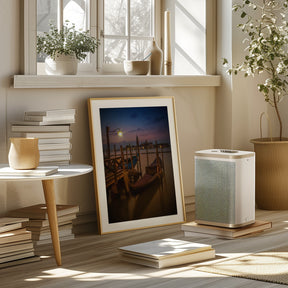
(156, 59)
(271, 173)
(23, 153)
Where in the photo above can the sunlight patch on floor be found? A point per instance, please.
(106, 276)
(83, 276)
(32, 279)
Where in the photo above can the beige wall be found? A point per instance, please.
(239, 104)
(225, 117)
(195, 109)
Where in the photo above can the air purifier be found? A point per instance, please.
(224, 188)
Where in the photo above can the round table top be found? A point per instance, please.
(65, 171)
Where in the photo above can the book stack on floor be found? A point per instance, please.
(16, 246)
(192, 229)
(53, 128)
(166, 252)
(38, 222)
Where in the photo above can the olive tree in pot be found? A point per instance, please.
(266, 28)
(64, 48)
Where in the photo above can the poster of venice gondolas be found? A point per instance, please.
(136, 163)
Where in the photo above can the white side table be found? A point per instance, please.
(49, 193)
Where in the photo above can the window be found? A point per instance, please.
(126, 28)
(78, 12)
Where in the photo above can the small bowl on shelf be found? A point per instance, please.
(134, 67)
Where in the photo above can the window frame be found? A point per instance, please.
(30, 31)
(118, 68)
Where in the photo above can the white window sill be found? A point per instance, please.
(113, 81)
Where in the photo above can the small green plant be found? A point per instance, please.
(266, 28)
(66, 41)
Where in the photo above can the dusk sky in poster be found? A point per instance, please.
(148, 123)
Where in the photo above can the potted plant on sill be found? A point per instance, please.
(267, 51)
(64, 48)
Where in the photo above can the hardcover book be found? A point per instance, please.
(40, 135)
(166, 252)
(191, 228)
(20, 261)
(53, 112)
(39, 211)
(11, 223)
(59, 146)
(39, 171)
(15, 236)
(43, 123)
(17, 246)
(33, 223)
(40, 129)
(48, 118)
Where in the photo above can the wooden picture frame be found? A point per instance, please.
(135, 155)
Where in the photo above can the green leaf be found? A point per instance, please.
(243, 14)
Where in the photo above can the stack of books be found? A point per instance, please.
(38, 223)
(16, 246)
(166, 252)
(53, 129)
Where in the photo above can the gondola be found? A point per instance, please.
(153, 173)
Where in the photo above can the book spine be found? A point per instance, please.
(56, 112)
(48, 118)
(40, 129)
(54, 146)
(48, 135)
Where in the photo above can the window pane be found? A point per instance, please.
(115, 51)
(189, 36)
(135, 37)
(115, 17)
(46, 13)
(141, 18)
(75, 11)
(138, 48)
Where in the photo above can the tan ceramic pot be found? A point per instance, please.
(271, 173)
(23, 153)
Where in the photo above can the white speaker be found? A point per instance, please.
(225, 187)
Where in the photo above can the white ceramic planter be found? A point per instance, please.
(62, 65)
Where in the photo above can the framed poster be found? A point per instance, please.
(136, 163)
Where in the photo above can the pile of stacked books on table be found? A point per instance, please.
(38, 222)
(16, 246)
(53, 128)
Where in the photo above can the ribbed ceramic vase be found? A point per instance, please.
(156, 59)
(23, 153)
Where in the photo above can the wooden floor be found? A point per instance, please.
(92, 261)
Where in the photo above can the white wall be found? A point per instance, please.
(239, 104)
(194, 109)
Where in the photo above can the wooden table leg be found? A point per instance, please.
(49, 193)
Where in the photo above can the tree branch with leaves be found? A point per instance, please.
(266, 29)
